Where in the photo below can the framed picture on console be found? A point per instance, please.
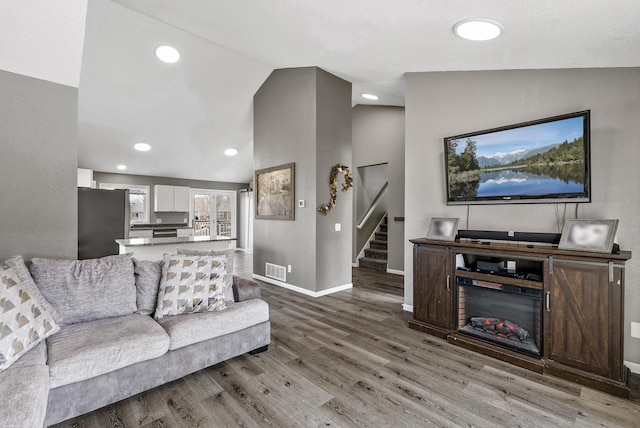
(275, 192)
(589, 235)
(443, 229)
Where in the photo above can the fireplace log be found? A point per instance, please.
(516, 330)
(506, 327)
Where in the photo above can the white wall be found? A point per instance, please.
(449, 103)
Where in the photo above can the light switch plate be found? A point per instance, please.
(338, 227)
(301, 203)
(635, 329)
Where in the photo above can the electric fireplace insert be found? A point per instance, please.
(503, 314)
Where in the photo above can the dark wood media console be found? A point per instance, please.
(568, 307)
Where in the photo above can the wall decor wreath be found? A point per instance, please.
(333, 186)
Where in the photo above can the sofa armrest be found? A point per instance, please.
(245, 289)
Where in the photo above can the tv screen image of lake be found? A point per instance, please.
(544, 159)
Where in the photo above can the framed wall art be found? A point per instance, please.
(589, 235)
(275, 192)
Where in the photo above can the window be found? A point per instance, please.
(138, 200)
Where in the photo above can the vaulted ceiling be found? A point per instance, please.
(191, 111)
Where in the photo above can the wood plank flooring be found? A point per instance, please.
(349, 360)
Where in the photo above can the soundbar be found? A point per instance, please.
(482, 235)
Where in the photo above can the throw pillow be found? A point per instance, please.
(17, 264)
(191, 284)
(24, 320)
(148, 276)
(228, 281)
(87, 290)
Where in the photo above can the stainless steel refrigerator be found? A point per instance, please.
(103, 217)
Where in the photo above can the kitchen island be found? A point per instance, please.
(155, 248)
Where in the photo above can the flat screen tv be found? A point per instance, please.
(542, 161)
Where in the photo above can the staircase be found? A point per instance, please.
(375, 257)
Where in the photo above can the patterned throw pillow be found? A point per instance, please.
(24, 320)
(228, 283)
(191, 284)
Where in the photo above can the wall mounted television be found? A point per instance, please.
(542, 161)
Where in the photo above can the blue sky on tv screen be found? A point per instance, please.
(526, 138)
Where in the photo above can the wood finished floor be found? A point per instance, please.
(349, 360)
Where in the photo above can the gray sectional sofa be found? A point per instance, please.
(114, 348)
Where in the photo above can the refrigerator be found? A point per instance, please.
(103, 217)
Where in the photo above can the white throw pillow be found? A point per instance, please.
(24, 319)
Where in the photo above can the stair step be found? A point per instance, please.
(378, 245)
(373, 253)
(381, 236)
(377, 264)
(383, 228)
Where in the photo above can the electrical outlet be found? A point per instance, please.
(635, 329)
(338, 227)
(511, 233)
(158, 220)
(289, 268)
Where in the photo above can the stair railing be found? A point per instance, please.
(373, 206)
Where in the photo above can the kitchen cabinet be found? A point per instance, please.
(171, 198)
(185, 232)
(141, 233)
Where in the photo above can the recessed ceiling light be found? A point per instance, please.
(231, 152)
(121, 167)
(370, 97)
(142, 147)
(478, 29)
(167, 54)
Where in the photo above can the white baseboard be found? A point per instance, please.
(303, 290)
(634, 367)
(407, 308)
(395, 272)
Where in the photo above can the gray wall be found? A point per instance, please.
(333, 146)
(39, 208)
(145, 180)
(449, 103)
(379, 137)
(300, 116)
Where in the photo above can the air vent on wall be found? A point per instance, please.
(275, 272)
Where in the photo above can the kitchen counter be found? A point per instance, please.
(155, 248)
(134, 242)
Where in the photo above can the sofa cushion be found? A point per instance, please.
(186, 330)
(24, 389)
(148, 275)
(228, 281)
(24, 321)
(87, 290)
(17, 264)
(191, 284)
(85, 350)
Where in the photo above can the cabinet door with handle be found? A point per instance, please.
(432, 286)
(583, 317)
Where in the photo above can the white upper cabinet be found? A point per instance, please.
(171, 198)
(181, 199)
